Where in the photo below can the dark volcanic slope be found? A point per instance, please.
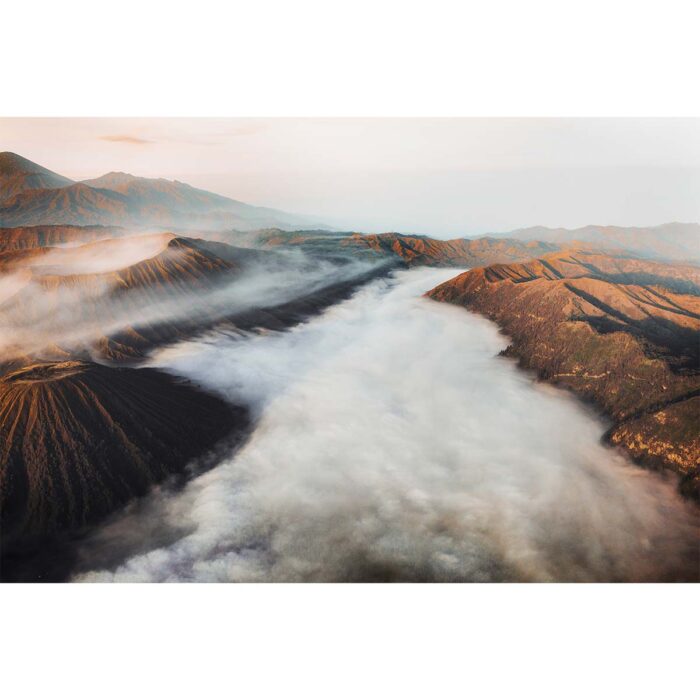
(77, 440)
(622, 332)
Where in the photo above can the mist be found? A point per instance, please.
(68, 298)
(392, 443)
(99, 257)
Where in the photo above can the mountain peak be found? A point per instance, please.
(12, 164)
(118, 199)
(18, 174)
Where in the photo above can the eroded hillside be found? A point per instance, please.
(621, 332)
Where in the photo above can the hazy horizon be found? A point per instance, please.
(443, 177)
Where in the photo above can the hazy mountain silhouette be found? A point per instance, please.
(673, 241)
(17, 174)
(32, 195)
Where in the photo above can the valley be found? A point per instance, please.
(257, 397)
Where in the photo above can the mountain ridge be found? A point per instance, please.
(121, 199)
(670, 241)
(18, 174)
(623, 333)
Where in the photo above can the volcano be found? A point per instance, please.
(18, 175)
(78, 440)
(31, 195)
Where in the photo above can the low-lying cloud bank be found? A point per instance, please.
(102, 256)
(393, 444)
(69, 297)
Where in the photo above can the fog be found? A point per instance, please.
(68, 298)
(437, 176)
(99, 257)
(12, 283)
(391, 443)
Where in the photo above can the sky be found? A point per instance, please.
(445, 177)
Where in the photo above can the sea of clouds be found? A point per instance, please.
(392, 443)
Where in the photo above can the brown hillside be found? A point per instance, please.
(621, 332)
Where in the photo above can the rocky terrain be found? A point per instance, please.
(459, 252)
(78, 440)
(95, 275)
(410, 250)
(621, 332)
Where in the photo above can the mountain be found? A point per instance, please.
(78, 440)
(22, 237)
(459, 252)
(410, 250)
(76, 204)
(119, 298)
(142, 290)
(19, 175)
(176, 204)
(674, 241)
(33, 196)
(621, 332)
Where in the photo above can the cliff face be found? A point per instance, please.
(78, 440)
(622, 333)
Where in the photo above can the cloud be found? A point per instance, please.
(248, 129)
(126, 138)
(69, 297)
(393, 444)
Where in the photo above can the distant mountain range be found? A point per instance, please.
(32, 195)
(82, 431)
(674, 241)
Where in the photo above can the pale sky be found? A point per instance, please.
(445, 177)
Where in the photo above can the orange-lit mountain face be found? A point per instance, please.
(78, 440)
(31, 195)
(412, 251)
(621, 332)
(460, 252)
